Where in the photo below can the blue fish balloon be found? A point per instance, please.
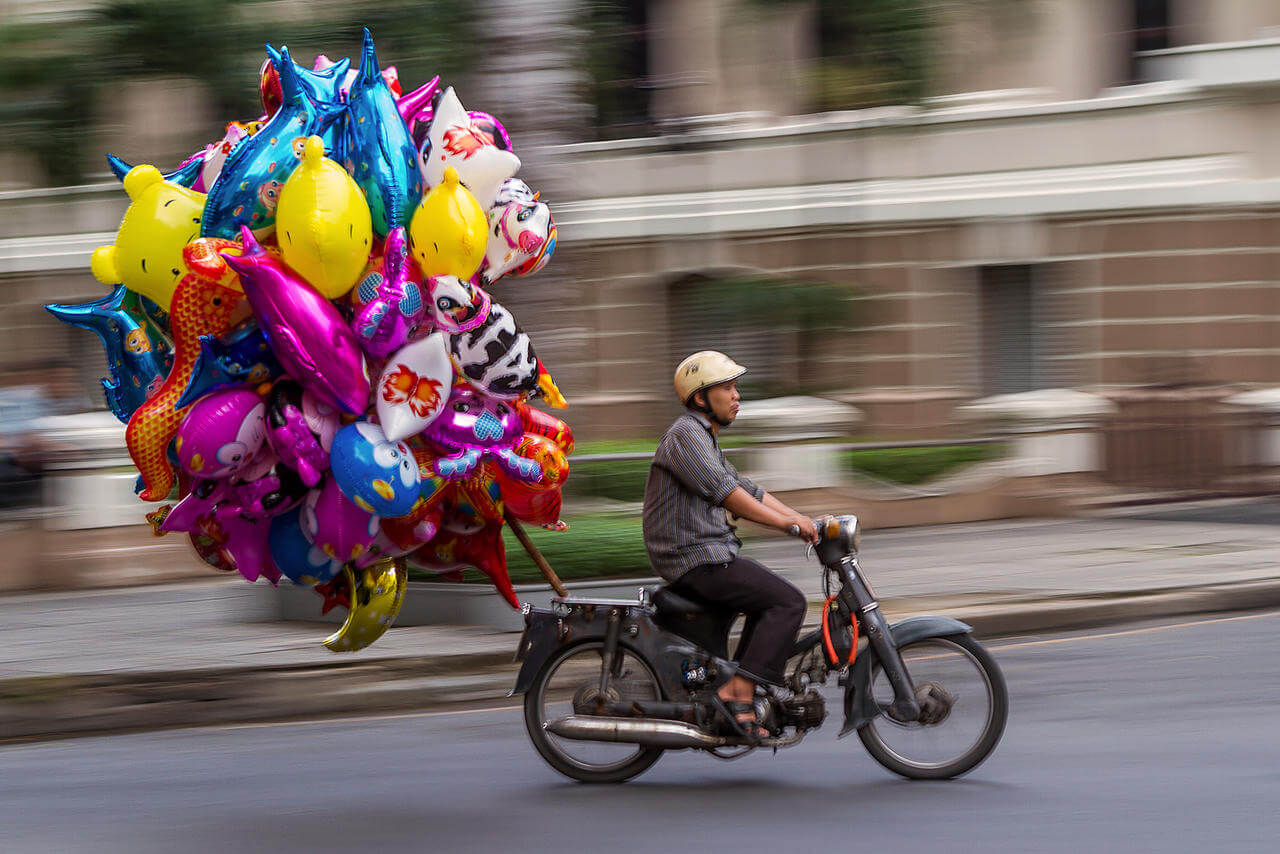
(248, 187)
(378, 150)
(155, 318)
(241, 357)
(138, 362)
(184, 176)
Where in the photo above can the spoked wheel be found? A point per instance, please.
(964, 705)
(570, 684)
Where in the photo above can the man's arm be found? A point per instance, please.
(769, 501)
(743, 504)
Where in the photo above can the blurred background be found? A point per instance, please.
(984, 258)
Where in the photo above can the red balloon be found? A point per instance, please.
(545, 424)
(535, 506)
(417, 527)
(483, 549)
(269, 88)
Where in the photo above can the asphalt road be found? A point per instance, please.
(1156, 737)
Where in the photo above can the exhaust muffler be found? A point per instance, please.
(648, 733)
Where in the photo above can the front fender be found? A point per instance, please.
(859, 706)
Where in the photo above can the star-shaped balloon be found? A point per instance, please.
(241, 357)
(336, 591)
(456, 141)
(483, 549)
(411, 105)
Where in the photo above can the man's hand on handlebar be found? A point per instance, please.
(803, 527)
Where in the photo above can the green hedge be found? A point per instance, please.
(623, 480)
(599, 545)
(619, 480)
(917, 465)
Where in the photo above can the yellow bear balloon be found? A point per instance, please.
(449, 230)
(323, 225)
(147, 255)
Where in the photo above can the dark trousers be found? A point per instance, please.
(773, 606)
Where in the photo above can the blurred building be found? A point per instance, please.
(1089, 196)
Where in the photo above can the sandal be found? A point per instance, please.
(741, 718)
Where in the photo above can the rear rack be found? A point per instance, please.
(571, 602)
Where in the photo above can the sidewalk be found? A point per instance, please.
(183, 654)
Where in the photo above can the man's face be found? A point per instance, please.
(723, 400)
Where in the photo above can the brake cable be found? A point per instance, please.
(826, 627)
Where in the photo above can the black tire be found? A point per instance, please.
(549, 746)
(873, 735)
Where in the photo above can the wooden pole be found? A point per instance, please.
(547, 572)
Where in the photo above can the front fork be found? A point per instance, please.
(860, 599)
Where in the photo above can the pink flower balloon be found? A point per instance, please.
(414, 387)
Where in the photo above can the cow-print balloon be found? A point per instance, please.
(497, 356)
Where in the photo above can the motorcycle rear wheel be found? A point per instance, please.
(574, 674)
(974, 719)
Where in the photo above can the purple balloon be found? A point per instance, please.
(222, 433)
(338, 529)
(390, 300)
(308, 335)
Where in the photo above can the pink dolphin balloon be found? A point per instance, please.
(308, 335)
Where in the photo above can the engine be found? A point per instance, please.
(805, 711)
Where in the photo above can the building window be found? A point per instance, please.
(1152, 30)
(1011, 351)
(779, 328)
(705, 313)
(617, 67)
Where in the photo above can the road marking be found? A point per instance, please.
(1144, 630)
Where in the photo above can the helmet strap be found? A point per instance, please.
(705, 406)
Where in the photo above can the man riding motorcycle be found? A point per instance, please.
(690, 492)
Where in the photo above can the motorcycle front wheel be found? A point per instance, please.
(568, 684)
(965, 702)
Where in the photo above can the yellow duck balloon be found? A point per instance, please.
(323, 225)
(449, 230)
(147, 256)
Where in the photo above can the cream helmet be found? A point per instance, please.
(703, 370)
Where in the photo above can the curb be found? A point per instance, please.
(46, 707)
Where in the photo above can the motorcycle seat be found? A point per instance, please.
(693, 621)
(672, 604)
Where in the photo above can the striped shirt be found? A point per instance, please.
(684, 523)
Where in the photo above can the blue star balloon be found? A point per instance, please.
(247, 188)
(241, 357)
(138, 363)
(378, 150)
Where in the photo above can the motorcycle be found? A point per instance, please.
(610, 685)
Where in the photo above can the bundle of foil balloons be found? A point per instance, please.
(302, 342)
